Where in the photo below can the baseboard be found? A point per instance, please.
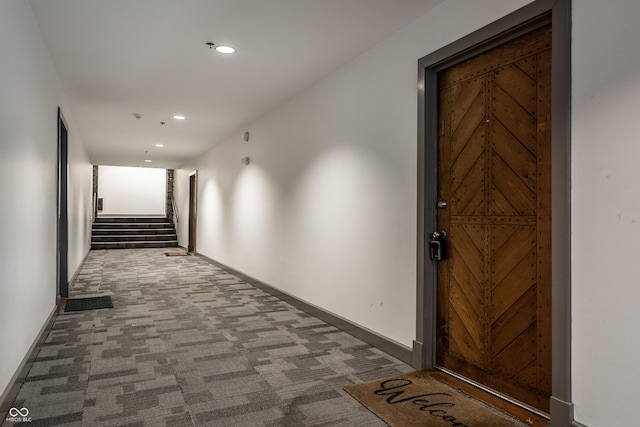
(577, 424)
(561, 413)
(12, 389)
(387, 345)
(417, 356)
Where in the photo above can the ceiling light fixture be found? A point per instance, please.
(159, 145)
(225, 49)
(147, 161)
(179, 117)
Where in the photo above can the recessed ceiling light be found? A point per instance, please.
(159, 145)
(178, 117)
(225, 49)
(147, 161)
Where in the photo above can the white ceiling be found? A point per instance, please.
(115, 58)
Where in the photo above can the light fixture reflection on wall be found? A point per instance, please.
(245, 160)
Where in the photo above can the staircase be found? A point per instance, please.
(136, 232)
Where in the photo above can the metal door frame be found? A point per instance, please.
(528, 18)
(193, 211)
(62, 215)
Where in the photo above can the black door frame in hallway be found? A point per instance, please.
(193, 211)
(62, 253)
(498, 32)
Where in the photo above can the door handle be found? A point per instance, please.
(439, 235)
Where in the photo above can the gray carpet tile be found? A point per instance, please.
(188, 344)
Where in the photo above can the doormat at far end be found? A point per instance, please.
(417, 399)
(80, 304)
(178, 253)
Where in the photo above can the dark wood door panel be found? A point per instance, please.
(494, 291)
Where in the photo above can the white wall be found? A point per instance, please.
(606, 212)
(80, 202)
(326, 210)
(30, 98)
(132, 191)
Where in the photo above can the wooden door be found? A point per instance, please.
(494, 166)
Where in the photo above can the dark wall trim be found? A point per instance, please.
(62, 222)
(507, 28)
(94, 195)
(11, 392)
(387, 345)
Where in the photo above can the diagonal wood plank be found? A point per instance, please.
(516, 283)
(467, 192)
(469, 156)
(467, 118)
(467, 257)
(506, 292)
(518, 85)
(514, 118)
(527, 374)
(520, 352)
(468, 311)
(513, 250)
(515, 154)
(512, 188)
(529, 66)
(462, 344)
(515, 320)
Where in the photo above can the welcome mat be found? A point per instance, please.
(417, 399)
(179, 253)
(80, 304)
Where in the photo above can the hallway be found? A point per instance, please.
(189, 344)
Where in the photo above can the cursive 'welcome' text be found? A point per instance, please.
(432, 403)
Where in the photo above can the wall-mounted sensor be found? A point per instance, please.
(245, 160)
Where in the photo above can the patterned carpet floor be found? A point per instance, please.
(188, 344)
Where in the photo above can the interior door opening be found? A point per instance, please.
(62, 264)
(193, 192)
